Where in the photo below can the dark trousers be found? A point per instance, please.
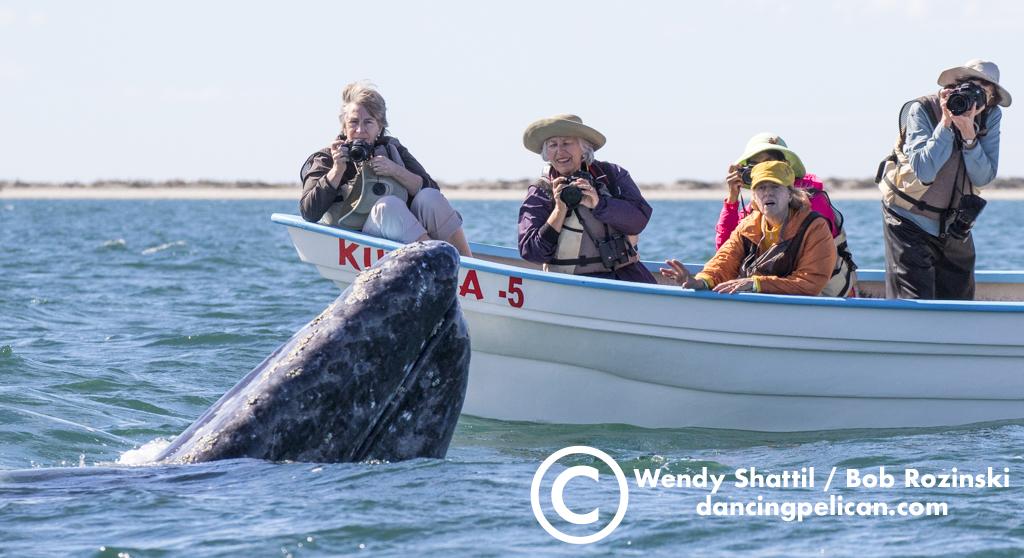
(919, 265)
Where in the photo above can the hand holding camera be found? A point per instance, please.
(359, 150)
(577, 189)
(960, 105)
(734, 180)
(339, 153)
(339, 156)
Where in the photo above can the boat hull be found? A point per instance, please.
(556, 348)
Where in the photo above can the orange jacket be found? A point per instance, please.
(814, 262)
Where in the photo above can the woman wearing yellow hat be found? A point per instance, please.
(581, 216)
(782, 247)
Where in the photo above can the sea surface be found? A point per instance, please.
(122, 321)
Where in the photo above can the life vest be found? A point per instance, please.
(902, 188)
(585, 244)
(778, 260)
(359, 194)
(844, 276)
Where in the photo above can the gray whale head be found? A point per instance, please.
(380, 374)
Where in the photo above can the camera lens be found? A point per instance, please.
(965, 216)
(958, 103)
(359, 151)
(964, 97)
(745, 174)
(571, 196)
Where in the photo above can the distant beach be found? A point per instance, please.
(845, 189)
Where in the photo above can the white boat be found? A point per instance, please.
(559, 348)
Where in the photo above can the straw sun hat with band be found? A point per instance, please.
(977, 69)
(767, 141)
(560, 125)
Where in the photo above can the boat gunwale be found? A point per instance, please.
(668, 290)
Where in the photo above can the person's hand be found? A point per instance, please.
(745, 285)
(556, 194)
(590, 197)
(383, 166)
(947, 117)
(963, 123)
(677, 272)
(734, 180)
(339, 153)
(339, 156)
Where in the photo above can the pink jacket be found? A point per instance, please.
(732, 212)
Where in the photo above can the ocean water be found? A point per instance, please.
(122, 321)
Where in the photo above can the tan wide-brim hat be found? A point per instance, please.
(980, 69)
(768, 141)
(560, 125)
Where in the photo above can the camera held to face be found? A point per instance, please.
(966, 96)
(571, 195)
(359, 150)
(745, 174)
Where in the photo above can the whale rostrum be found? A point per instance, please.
(380, 375)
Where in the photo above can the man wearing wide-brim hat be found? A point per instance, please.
(948, 148)
(581, 216)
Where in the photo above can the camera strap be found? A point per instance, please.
(957, 192)
(589, 234)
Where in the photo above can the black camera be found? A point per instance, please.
(965, 216)
(571, 195)
(745, 174)
(359, 150)
(964, 97)
(615, 251)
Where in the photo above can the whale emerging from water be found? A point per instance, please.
(380, 374)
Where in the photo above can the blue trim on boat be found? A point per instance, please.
(663, 290)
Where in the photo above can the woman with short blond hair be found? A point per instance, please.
(331, 175)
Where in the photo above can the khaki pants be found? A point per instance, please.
(429, 213)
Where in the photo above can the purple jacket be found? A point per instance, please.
(626, 211)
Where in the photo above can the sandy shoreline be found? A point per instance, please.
(200, 193)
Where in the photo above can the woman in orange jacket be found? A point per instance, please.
(782, 247)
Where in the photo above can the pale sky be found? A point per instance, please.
(247, 90)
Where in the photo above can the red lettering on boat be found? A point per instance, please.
(471, 285)
(514, 292)
(345, 254)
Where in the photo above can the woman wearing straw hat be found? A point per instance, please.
(329, 178)
(781, 248)
(581, 216)
(767, 146)
(947, 148)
